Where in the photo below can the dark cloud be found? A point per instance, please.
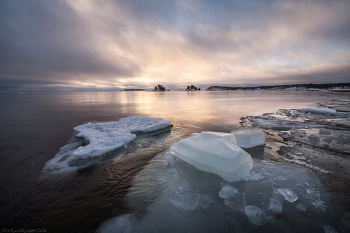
(74, 45)
(41, 38)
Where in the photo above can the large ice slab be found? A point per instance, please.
(104, 137)
(214, 153)
(249, 138)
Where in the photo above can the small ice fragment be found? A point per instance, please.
(236, 201)
(171, 159)
(227, 191)
(216, 153)
(301, 207)
(288, 194)
(186, 199)
(205, 201)
(256, 215)
(249, 138)
(275, 206)
(329, 229)
(265, 203)
(270, 219)
(120, 224)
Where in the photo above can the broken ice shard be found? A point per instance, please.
(236, 201)
(301, 207)
(329, 229)
(275, 206)
(215, 153)
(184, 199)
(205, 201)
(227, 191)
(249, 138)
(288, 194)
(255, 215)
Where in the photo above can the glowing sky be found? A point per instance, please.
(87, 45)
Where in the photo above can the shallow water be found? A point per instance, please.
(35, 125)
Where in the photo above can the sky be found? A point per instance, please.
(94, 45)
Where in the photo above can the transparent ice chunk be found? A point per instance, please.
(185, 199)
(249, 138)
(329, 229)
(227, 191)
(301, 207)
(216, 153)
(236, 201)
(275, 206)
(255, 215)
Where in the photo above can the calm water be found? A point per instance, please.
(35, 125)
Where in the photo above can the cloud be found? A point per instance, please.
(94, 45)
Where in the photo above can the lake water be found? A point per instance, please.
(35, 125)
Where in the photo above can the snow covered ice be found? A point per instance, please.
(94, 141)
(249, 138)
(216, 153)
(104, 137)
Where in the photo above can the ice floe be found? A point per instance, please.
(93, 142)
(104, 137)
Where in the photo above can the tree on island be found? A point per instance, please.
(159, 88)
(192, 88)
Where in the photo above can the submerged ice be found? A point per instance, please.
(186, 199)
(216, 153)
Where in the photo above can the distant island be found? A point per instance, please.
(134, 90)
(192, 88)
(159, 88)
(293, 87)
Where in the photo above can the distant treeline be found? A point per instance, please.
(281, 87)
(134, 90)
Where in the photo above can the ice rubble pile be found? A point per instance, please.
(108, 136)
(216, 153)
(323, 128)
